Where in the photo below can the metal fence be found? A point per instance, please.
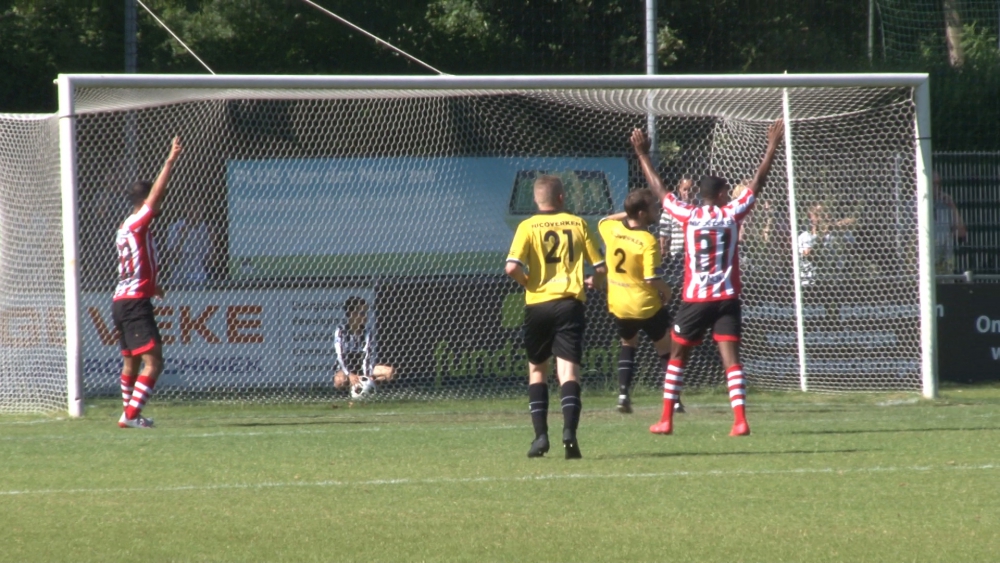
(972, 180)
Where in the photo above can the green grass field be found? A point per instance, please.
(822, 478)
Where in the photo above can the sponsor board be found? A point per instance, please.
(228, 339)
(968, 332)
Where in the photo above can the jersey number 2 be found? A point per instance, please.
(620, 266)
(552, 254)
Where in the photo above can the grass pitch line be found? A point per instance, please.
(117, 434)
(522, 479)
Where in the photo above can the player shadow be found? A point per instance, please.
(639, 455)
(894, 430)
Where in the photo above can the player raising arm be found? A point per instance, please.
(711, 292)
(131, 307)
(637, 297)
(553, 245)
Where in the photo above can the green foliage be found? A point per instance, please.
(982, 53)
(42, 38)
(823, 478)
(668, 46)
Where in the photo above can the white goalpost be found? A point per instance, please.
(296, 194)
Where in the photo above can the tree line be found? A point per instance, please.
(42, 38)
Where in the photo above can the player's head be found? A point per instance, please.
(738, 189)
(549, 193)
(817, 214)
(686, 190)
(138, 192)
(713, 190)
(641, 206)
(356, 311)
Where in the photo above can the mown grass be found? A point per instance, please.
(822, 478)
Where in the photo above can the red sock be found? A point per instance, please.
(737, 391)
(128, 385)
(673, 381)
(143, 389)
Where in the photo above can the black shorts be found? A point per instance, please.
(655, 327)
(693, 319)
(136, 324)
(554, 328)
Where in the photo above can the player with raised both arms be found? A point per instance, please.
(637, 296)
(553, 245)
(131, 306)
(711, 292)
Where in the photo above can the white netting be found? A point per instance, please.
(32, 339)
(285, 204)
(920, 29)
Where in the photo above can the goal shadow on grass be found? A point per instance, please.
(282, 423)
(639, 455)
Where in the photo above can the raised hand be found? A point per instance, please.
(175, 149)
(640, 142)
(776, 131)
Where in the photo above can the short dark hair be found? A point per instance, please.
(711, 186)
(138, 192)
(352, 304)
(636, 201)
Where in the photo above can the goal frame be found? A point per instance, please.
(67, 84)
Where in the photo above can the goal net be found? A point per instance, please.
(298, 201)
(32, 341)
(940, 30)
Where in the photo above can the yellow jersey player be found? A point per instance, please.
(553, 246)
(637, 296)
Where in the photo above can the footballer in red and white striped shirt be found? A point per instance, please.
(711, 293)
(131, 306)
(711, 262)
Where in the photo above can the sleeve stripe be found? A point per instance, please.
(512, 259)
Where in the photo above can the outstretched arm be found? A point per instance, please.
(160, 186)
(774, 134)
(640, 142)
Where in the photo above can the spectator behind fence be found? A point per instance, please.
(824, 247)
(949, 230)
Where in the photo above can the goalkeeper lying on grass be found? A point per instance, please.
(356, 351)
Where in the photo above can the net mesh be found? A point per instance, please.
(32, 339)
(288, 206)
(919, 29)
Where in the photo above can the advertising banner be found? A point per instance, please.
(223, 340)
(396, 216)
(968, 332)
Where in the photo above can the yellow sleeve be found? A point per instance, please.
(521, 245)
(594, 254)
(650, 259)
(602, 231)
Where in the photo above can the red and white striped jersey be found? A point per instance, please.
(711, 258)
(136, 257)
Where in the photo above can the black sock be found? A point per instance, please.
(538, 404)
(626, 368)
(571, 405)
